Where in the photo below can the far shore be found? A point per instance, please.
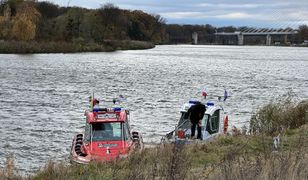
(30, 47)
(35, 47)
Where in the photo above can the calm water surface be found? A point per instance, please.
(43, 97)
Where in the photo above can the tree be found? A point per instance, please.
(159, 32)
(13, 4)
(303, 32)
(25, 21)
(146, 27)
(73, 23)
(114, 20)
(28, 10)
(5, 24)
(5, 27)
(49, 10)
(23, 29)
(227, 29)
(31, 19)
(91, 27)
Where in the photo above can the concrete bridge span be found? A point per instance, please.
(267, 33)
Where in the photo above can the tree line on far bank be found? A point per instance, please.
(28, 20)
(25, 20)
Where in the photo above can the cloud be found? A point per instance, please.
(236, 15)
(217, 12)
(247, 6)
(201, 15)
(183, 15)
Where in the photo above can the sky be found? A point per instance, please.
(253, 13)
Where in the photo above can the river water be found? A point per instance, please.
(43, 96)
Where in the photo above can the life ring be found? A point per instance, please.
(226, 124)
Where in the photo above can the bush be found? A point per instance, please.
(285, 113)
(10, 171)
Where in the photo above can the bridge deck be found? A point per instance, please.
(254, 33)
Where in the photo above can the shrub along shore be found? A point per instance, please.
(19, 47)
(241, 156)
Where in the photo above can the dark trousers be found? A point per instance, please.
(193, 130)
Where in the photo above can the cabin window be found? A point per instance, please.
(126, 131)
(109, 131)
(184, 122)
(212, 126)
(204, 120)
(214, 122)
(116, 130)
(87, 132)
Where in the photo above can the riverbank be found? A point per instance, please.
(239, 157)
(19, 47)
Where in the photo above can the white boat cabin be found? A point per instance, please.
(211, 126)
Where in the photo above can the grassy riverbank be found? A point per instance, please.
(242, 156)
(19, 47)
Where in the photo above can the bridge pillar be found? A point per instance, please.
(268, 40)
(194, 37)
(240, 39)
(285, 40)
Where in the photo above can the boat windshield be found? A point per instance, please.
(185, 123)
(108, 131)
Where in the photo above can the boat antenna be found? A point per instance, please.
(92, 101)
(123, 137)
(91, 133)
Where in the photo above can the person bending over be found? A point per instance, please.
(196, 116)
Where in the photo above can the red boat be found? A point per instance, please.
(107, 137)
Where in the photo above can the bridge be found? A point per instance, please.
(267, 33)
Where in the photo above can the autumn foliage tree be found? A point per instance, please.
(25, 22)
(19, 21)
(23, 29)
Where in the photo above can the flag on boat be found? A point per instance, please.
(226, 95)
(91, 102)
(204, 93)
(119, 99)
(122, 98)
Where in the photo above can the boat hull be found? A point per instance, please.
(82, 155)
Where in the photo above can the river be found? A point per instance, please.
(43, 96)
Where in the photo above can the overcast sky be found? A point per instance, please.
(256, 13)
